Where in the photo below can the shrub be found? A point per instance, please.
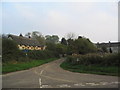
(80, 46)
(111, 59)
(94, 59)
(10, 50)
(12, 53)
(40, 54)
(104, 49)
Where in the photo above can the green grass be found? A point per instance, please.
(8, 67)
(93, 69)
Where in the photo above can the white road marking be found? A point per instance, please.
(41, 72)
(45, 86)
(93, 84)
(103, 83)
(114, 82)
(64, 85)
(79, 84)
(40, 82)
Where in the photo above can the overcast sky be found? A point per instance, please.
(97, 21)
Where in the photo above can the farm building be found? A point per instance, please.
(114, 46)
(25, 43)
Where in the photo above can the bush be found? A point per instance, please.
(94, 59)
(10, 50)
(111, 59)
(80, 46)
(40, 54)
(85, 46)
(104, 49)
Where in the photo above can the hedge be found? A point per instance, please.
(93, 59)
(40, 54)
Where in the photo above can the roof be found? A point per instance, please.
(24, 41)
(112, 44)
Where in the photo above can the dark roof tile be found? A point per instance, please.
(24, 41)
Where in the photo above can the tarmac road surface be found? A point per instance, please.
(50, 75)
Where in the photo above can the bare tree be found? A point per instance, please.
(36, 34)
(70, 35)
(28, 34)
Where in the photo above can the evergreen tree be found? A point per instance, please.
(63, 41)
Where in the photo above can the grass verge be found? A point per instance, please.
(94, 69)
(24, 65)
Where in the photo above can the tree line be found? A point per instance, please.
(54, 47)
(80, 45)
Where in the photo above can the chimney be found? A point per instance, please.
(29, 37)
(21, 35)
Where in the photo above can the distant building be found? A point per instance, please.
(111, 46)
(26, 43)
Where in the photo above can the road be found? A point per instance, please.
(50, 75)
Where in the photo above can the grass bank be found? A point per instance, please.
(92, 69)
(10, 67)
